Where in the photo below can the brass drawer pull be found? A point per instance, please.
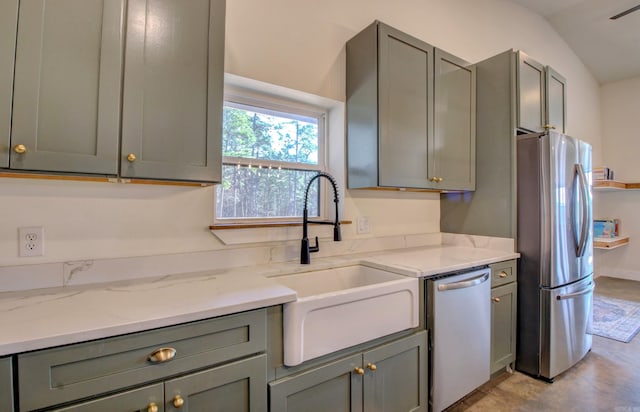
(162, 355)
(152, 407)
(503, 274)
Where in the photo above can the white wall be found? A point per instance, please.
(621, 145)
(297, 44)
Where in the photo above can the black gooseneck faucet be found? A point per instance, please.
(306, 250)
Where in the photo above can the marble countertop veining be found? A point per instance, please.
(42, 318)
(50, 317)
(431, 261)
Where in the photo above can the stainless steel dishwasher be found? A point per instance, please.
(459, 318)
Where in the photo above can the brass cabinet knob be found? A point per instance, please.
(131, 157)
(178, 401)
(152, 407)
(20, 148)
(162, 355)
(372, 366)
(497, 300)
(359, 370)
(503, 274)
(549, 126)
(436, 179)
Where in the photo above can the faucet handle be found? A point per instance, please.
(316, 247)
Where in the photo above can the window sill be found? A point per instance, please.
(246, 233)
(226, 226)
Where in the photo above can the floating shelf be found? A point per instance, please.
(610, 242)
(614, 185)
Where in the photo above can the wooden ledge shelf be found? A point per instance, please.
(614, 185)
(610, 243)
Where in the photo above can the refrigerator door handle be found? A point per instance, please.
(465, 283)
(584, 202)
(584, 291)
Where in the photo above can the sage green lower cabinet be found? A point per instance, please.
(218, 364)
(138, 400)
(333, 387)
(391, 377)
(6, 385)
(503, 315)
(395, 376)
(240, 387)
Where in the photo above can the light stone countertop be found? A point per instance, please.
(42, 318)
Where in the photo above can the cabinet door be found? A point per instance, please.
(453, 149)
(556, 100)
(8, 26)
(6, 385)
(136, 400)
(333, 387)
(172, 97)
(503, 325)
(395, 378)
(238, 386)
(530, 90)
(405, 76)
(66, 107)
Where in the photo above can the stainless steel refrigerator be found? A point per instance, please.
(555, 270)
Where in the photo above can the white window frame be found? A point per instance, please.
(276, 105)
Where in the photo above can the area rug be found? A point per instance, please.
(615, 318)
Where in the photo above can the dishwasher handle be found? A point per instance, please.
(465, 283)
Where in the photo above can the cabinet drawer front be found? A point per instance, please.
(503, 273)
(63, 374)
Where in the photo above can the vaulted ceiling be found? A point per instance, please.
(609, 48)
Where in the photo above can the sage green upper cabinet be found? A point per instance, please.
(453, 150)
(410, 114)
(531, 111)
(502, 106)
(66, 103)
(389, 109)
(173, 88)
(556, 100)
(541, 96)
(405, 87)
(8, 25)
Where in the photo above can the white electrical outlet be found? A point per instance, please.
(362, 225)
(31, 241)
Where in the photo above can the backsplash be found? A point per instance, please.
(83, 272)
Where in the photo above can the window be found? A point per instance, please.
(270, 151)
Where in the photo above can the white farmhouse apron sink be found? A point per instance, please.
(342, 307)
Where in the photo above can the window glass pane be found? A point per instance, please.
(269, 135)
(252, 192)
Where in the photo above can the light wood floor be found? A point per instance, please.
(607, 379)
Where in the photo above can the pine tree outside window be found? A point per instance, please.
(270, 151)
